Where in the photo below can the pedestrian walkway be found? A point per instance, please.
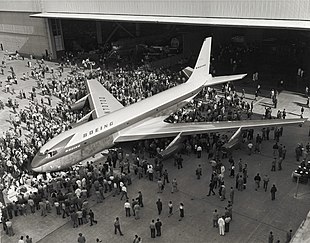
(20, 67)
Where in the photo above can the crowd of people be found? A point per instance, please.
(128, 85)
(67, 193)
(44, 121)
(211, 105)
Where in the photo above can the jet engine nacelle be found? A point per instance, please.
(88, 117)
(173, 147)
(79, 104)
(235, 139)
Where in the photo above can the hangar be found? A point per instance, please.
(46, 27)
(52, 27)
(172, 29)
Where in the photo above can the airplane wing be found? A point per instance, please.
(101, 101)
(157, 128)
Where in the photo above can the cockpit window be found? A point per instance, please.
(53, 150)
(51, 153)
(41, 154)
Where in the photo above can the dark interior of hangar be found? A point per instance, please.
(89, 35)
(274, 53)
(121, 40)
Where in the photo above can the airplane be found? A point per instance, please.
(112, 123)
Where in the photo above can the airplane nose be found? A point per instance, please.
(36, 163)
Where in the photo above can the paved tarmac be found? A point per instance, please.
(254, 214)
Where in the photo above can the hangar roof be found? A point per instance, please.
(276, 23)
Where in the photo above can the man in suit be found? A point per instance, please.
(92, 217)
(273, 191)
(158, 225)
(159, 206)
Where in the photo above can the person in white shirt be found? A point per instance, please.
(150, 172)
(9, 226)
(127, 208)
(221, 224)
(199, 151)
(21, 240)
(78, 192)
(124, 192)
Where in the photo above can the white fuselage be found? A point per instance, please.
(86, 140)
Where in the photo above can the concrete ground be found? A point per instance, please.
(254, 214)
(20, 67)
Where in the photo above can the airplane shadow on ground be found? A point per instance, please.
(301, 104)
(265, 104)
(295, 93)
(249, 98)
(292, 113)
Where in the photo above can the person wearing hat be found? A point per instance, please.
(273, 191)
(81, 238)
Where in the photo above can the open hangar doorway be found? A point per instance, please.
(275, 53)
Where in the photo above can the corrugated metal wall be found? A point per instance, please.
(270, 9)
(24, 34)
(21, 5)
(20, 32)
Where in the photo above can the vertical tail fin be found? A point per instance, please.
(203, 62)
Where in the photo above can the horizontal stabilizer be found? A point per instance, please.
(188, 71)
(79, 104)
(224, 79)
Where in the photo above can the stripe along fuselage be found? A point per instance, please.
(83, 141)
(97, 135)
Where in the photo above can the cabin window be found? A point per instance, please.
(84, 135)
(96, 129)
(91, 132)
